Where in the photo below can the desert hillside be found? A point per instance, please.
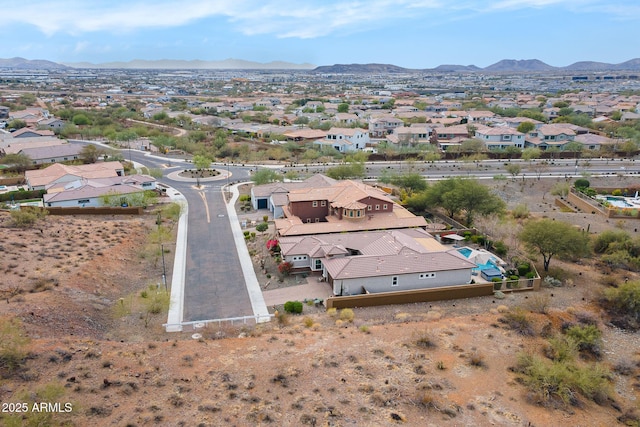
(77, 289)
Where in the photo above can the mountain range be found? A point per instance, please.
(504, 66)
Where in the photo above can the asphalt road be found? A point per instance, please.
(214, 284)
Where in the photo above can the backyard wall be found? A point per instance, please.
(407, 297)
(96, 211)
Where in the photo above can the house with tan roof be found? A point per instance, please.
(344, 206)
(551, 135)
(378, 261)
(89, 192)
(501, 137)
(57, 173)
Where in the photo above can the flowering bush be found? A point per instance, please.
(285, 268)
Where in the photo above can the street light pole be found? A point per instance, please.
(164, 269)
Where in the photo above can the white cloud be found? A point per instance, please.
(282, 18)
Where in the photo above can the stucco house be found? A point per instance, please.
(551, 135)
(344, 206)
(89, 192)
(499, 138)
(274, 196)
(52, 153)
(378, 261)
(58, 173)
(345, 140)
(383, 125)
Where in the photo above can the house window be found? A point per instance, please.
(317, 220)
(83, 201)
(318, 265)
(394, 281)
(377, 207)
(308, 220)
(323, 203)
(314, 204)
(358, 213)
(384, 207)
(351, 213)
(427, 275)
(368, 207)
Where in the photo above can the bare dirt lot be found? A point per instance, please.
(446, 363)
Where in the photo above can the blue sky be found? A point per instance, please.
(408, 33)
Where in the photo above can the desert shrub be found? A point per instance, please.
(308, 321)
(581, 183)
(552, 282)
(560, 189)
(476, 359)
(524, 268)
(13, 343)
(623, 304)
(500, 248)
(285, 268)
(518, 321)
(347, 315)
(332, 312)
(262, 227)
(157, 301)
(293, 307)
(24, 218)
(244, 198)
(588, 338)
(425, 341)
(557, 383)
(521, 211)
(539, 303)
(530, 275)
(616, 192)
(561, 348)
(603, 241)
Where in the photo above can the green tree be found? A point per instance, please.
(525, 127)
(17, 162)
(551, 238)
(514, 169)
(265, 176)
(90, 153)
(17, 124)
(80, 119)
(456, 195)
(201, 162)
(262, 227)
(531, 153)
(343, 107)
(410, 182)
(351, 170)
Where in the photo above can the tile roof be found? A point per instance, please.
(56, 171)
(405, 262)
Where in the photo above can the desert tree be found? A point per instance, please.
(554, 238)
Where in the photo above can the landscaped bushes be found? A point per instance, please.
(22, 195)
(293, 307)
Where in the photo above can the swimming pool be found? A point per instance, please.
(473, 256)
(618, 202)
(465, 251)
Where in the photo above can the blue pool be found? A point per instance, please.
(465, 251)
(618, 202)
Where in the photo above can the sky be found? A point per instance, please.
(407, 33)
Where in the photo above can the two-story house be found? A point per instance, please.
(499, 138)
(345, 139)
(550, 135)
(383, 125)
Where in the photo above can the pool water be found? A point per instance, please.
(618, 202)
(465, 251)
